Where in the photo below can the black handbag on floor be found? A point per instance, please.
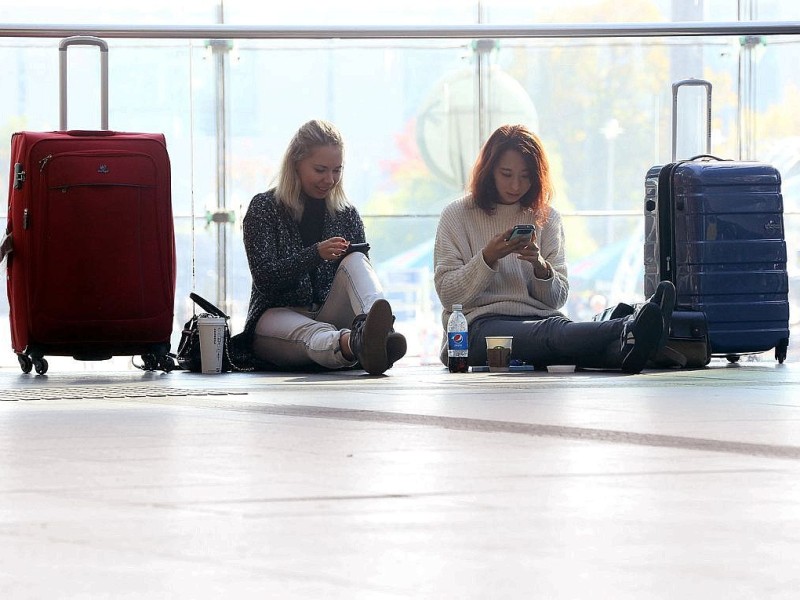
(188, 356)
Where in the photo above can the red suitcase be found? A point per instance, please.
(91, 272)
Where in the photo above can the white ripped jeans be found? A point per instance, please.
(297, 336)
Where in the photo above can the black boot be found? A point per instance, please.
(369, 337)
(641, 335)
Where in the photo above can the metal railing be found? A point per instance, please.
(578, 30)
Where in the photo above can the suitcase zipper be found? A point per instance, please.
(65, 188)
(101, 169)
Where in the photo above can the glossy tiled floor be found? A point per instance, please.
(419, 484)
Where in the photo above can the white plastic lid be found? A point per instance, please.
(456, 307)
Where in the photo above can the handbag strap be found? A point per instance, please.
(227, 346)
(207, 306)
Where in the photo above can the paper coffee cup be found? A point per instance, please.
(212, 343)
(498, 352)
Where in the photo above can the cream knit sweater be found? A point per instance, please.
(461, 276)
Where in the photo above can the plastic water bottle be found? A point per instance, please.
(457, 341)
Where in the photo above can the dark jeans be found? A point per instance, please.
(551, 341)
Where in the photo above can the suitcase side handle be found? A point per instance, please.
(677, 86)
(90, 132)
(7, 245)
(82, 40)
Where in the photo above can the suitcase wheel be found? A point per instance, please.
(154, 362)
(166, 364)
(25, 363)
(781, 349)
(732, 358)
(149, 362)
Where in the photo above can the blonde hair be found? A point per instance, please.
(312, 134)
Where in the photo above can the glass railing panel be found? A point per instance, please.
(412, 125)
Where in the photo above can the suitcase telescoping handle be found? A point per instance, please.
(82, 40)
(675, 87)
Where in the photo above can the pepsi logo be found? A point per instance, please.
(458, 338)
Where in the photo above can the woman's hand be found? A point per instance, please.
(525, 249)
(332, 248)
(499, 246)
(530, 253)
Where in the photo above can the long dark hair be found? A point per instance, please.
(521, 139)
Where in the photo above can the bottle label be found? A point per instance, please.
(457, 343)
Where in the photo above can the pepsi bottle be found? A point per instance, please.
(457, 341)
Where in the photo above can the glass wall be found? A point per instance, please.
(413, 113)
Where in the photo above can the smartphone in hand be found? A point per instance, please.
(362, 247)
(522, 231)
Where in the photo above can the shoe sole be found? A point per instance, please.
(647, 331)
(396, 347)
(376, 329)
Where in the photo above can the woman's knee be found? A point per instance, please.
(355, 260)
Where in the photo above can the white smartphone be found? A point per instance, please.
(522, 231)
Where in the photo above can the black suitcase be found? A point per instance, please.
(715, 229)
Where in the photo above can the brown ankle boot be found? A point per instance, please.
(369, 337)
(396, 347)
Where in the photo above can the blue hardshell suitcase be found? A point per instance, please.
(715, 229)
